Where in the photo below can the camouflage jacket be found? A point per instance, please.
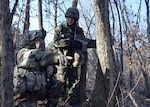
(65, 35)
(33, 58)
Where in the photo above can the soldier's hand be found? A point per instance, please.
(63, 60)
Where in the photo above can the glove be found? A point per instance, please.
(62, 60)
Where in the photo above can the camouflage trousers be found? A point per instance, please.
(69, 77)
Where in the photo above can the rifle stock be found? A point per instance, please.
(86, 43)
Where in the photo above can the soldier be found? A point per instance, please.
(30, 73)
(65, 41)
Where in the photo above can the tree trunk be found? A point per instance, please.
(55, 15)
(100, 92)
(27, 17)
(146, 79)
(148, 19)
(26, 24)
(74, 3)
(145, 74)
(105, 54)
(40, 14)
(82, 82)
(6, 56)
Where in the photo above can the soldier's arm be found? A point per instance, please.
(57, 32)
(51, 58)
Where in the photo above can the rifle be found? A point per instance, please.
(82, 43)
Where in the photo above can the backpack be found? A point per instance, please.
(28, 78)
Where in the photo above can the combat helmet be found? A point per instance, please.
(31, 35)
(72, 12)
(36, 34)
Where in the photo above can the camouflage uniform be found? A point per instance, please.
(65, 43)
(38, 59)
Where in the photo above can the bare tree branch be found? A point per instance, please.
(133, 100)
(74, 3)
(13, 10)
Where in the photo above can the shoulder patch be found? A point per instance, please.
(58, 28)
(21, 53)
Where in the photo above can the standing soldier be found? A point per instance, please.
(65, 41)
(30, 73)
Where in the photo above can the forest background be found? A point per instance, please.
(126, 24)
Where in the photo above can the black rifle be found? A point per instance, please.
(82, 43)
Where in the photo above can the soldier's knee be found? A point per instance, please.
(54, 88)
